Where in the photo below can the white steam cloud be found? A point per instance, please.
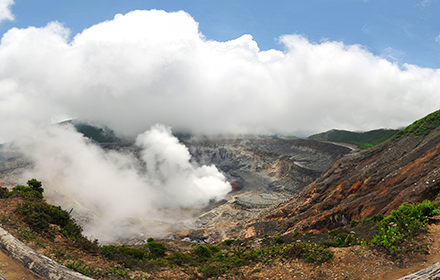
(5, 10)
(118, 195)
(148, 67)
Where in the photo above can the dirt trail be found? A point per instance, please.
(10, 270)
(424, 261)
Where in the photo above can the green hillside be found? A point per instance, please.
(361, 139)
(422, 126)
(98, 134)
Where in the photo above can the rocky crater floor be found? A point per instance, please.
(263, 172)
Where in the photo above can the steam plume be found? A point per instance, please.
(112, 191)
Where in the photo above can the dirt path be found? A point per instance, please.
(424, 261)
(12, 271)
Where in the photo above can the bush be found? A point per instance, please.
(311, 252)
(353, 223)
(179, 258)
(228, 242)
(278, 240)
(35, 185)
(403, 225)
(4, 192)
(157, 250)
(26, 192)
(203, 251)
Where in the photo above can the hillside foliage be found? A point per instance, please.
(362, 140)
(422, 127)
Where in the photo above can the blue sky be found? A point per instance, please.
(401, 30)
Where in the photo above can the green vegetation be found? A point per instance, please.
(45, 219)
(402, 225)
(363, 140)
(421, 127)
(394, 234)
(212, 260)
(33, 190)
(97, 134)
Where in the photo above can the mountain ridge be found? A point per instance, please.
(362, 140)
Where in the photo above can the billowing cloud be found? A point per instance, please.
(116, 194)
(5, 10)
(148, 67)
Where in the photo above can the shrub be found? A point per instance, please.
(35, 185)
(278, 240)
(353, 223)
(203, 251)
(311, 252)
(403, 224)
(4, 192)
(228, 242)
(26, 192)
(157, 250)
(179, 258)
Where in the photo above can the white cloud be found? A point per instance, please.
(426, 3)
(5, 10)
(392, 54)
(150, 67)
(437, 39)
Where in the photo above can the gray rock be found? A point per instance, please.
(429, 273)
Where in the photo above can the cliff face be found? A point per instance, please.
(267, 164)
(361, 185)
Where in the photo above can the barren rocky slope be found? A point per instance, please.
(263, 171)
(363, 184)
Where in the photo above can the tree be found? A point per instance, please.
(36, 185)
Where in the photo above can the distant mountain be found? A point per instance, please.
(363, 184)
(362, 140)
(96, 133)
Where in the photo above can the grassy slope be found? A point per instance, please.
(422, 126)
(361, 139)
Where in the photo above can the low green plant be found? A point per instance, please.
(179, 258)
(278, 239)
(309, 251)
(353, 223)
(81, 267)
(156, 249)
(402, 225)
(228, 242)
(4, 192)
(202, 252)
(26, 192)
